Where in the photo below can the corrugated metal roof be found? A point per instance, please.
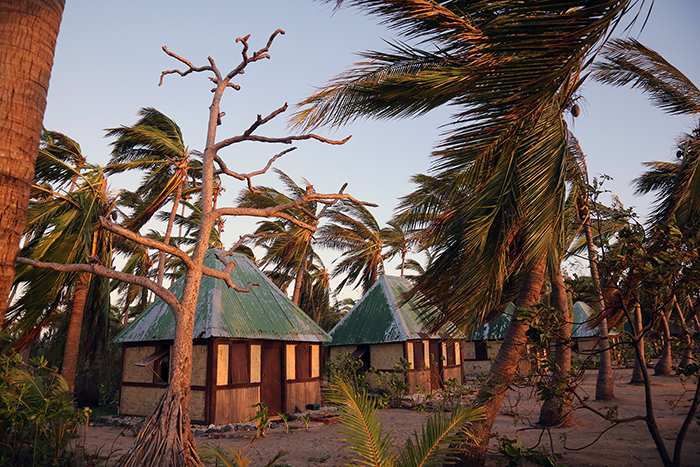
(495, 330)
(582, 315)
(263, 313)
(378, 319)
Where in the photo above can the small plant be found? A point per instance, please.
(516, 455)
(307, 419)
(348, 368)
(262, 419)
(285, 420)
(236, 458)
(319, 460)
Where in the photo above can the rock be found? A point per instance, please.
(227, 428)
(199, 432)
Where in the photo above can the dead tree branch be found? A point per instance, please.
(247, 177)
(166, 295)
(148, 242)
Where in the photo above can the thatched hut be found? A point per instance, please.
(248, 348)
(382, 328)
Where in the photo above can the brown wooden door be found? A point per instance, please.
(271, 390)
(435, 365)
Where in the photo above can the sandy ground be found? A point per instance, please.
(623, 445)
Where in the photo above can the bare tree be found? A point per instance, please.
(166, 438)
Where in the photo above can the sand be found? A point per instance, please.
(623, 445)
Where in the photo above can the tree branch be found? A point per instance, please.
(224, 169)
(148, 242)
(166, 295)
(191, 69)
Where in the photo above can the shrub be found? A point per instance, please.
(37, 417)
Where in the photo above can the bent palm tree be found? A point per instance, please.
(510, 69)
(153, 144)
(354, 231)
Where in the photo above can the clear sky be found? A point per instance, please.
(109, 59)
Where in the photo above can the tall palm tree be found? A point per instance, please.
(398, 242)
(154, 144)
(509, 69)
(28, 32)
(66, 229)
(353, 230)
(288, 246)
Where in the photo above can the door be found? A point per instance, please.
(271, 390)
(435, 365)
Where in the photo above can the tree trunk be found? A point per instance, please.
(166, 437)
(70, 353)
(686, 349)
(168, 232)
(296, 298)
(664, 366)
(637, 325)
(559, 411)
(28, 31)
(503, 369)
(605, 385)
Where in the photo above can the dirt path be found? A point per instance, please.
(621, 446)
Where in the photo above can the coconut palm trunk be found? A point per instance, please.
(70, 353)
(558, 411)
(28, 31)
(169, 230)
(637, 375)
(686, 350)
(605, 384)
(503, 368)
(296, 298)
(664, 366)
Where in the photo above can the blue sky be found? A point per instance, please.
(109, 60)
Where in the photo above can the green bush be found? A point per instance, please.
(37, 417)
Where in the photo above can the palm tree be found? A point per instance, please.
(510, 69)
(288, 246)
(398, 242)
(28, 32)
(354, 231)
(66, 229)
(153, 144)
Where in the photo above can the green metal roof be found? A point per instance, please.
(263, 313)
(582, 315)
(495, 330)
(378, 319)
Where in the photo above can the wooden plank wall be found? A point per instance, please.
(302, 393)
(234, 405)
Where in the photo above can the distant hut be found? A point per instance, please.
(380, 329)
(483, 346)
(248, 348)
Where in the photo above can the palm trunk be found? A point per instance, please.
(503, 369)
(403, 261)
(605, 384)
(168, 232)
(70, 354)
(686, 350)
(637, 375)
(664, 366)
(296, 298)
(28, 31)
(559, 411)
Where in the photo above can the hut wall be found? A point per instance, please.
(385, 356)
(197, 406)
(234, 405)
(138, 400)
(199, 365)
(452, 372)
(476, 367)
(133, 373)
(420, 378)
(302, 393)
(337, 350)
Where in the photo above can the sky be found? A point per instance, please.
(109, 60)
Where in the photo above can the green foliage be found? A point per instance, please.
(236, 458)
(37, 417)
(285, 420)
(515, 454)
(437, 443)
(262, 419)
(347, 368)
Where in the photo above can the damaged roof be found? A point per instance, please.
(380, 317)
(262, 313)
